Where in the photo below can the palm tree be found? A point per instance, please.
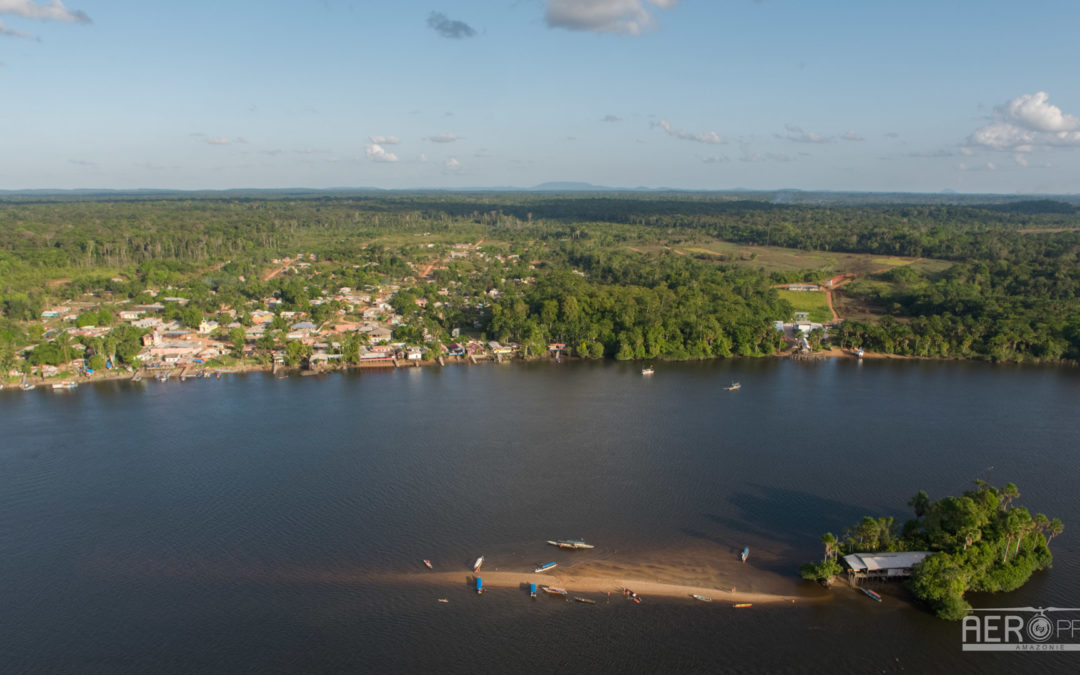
(829, 539)
(1056, 528)
(1008, 494)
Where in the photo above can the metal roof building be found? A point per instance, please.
(884, 564)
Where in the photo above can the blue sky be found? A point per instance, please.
(697, 94)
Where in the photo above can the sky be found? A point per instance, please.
(883, 95)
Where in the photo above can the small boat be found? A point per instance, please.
(745, 554)
(636, 598)
(647, 371)
(584, 601)
(859, 353)
(428, 563)
(544, 568)
(740, 605)
(65, 385)
(443, 600)
(26, 386)
(555, 590)
(479, 586)
(570, 544)
(871, 594)
(702, 598)
(734, 386)
(476, 565)
(532, 590)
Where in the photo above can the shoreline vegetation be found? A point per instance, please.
(89, 282)
(980, 541)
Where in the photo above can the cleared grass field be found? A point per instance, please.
(812, 302)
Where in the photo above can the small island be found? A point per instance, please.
(980, 541)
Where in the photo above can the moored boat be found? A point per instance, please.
(532, 590)
(702, 598)
(871, 594)
(740, 605)
(555, 590)
(65, 385)
(734, 386)
(584, 601)
(745, 554)
(479, 586)
(428, 563)
(478, 564)
(544, 568)
(570, 544)
(647, 371)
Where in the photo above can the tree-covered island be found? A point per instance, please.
(980, 541)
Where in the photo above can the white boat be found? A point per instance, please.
(745, 554)
(544, 568)
(735, 386)
(65, 385)
(479, 562)
(428, 563)
(554, 590)
(647, 371)
(702, 598)
(570, 544)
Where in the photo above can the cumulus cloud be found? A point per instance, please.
(449, 28)
(709, 137)
(384, 140)
(54, 11)
(622, 17)
(378, 153)
(851, 136)
(451, 164)
(797, 135)
(1027, 123)
(444, 138)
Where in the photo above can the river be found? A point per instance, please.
(266, 524)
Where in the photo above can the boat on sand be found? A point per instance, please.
(555, 590)
(478, 564)
(702, 598)
(544, 568)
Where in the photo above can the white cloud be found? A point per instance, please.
(452, 164)
(54, 11)
(1032, 111)
(709, 137)
(797, 134)
(851, 136)
(444, 138)
(622, 17)
(377, 153)
(1027, 123)
(384, 140)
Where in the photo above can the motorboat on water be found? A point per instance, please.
(584, 601)
(532, 590)
(546, 567)
(478, 564)
(647, 370)
(428, 563)
(555, 590)
(479, 586)
(871, 594)
(745, 554)
(65, 385)
(702, 598)
(734, 386)
(570, 544)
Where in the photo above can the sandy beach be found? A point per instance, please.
(723, 581)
